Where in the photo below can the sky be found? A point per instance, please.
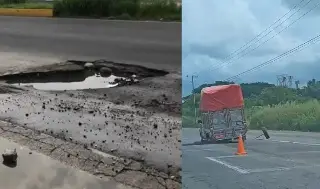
(214, 29)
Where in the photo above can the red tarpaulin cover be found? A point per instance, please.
(221, 97)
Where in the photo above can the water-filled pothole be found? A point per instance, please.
(91, 82)
(99, 74)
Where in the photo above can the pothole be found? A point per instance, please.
(91, 82)
(86, 75)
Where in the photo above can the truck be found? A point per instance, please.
(222, 115)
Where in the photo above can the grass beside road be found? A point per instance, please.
(120, 9)
(166, 10)
(290, 116)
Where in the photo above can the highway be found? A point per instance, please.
(288, 160)
(152, 44)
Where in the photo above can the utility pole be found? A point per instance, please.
(194, 98)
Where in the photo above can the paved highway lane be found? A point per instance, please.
(287, 160)
(153, 44)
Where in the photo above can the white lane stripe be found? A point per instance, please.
(199, 149)
(293, 142)
(232, 156)
(300, 152)
(191, 150)
(281, 168)
(310, 144)
(205, 150)
(235, 168)
(283, 141)
(270, 169)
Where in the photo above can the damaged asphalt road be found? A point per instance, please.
(139, 122)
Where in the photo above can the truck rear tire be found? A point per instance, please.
(244, 137)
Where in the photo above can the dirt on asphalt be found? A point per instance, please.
(137, 123)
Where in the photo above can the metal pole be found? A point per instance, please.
(194, 99)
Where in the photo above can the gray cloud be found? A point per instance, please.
(291, 3)
(216, 51)
(208, 39)
(305, 5)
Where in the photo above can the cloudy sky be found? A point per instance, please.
(213, 29)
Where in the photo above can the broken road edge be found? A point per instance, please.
(77, 156)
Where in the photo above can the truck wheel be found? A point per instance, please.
(244, 137)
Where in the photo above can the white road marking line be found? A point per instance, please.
(191, 150)
(269, 169)
(280, 168)
(231, 156)
(293, 142)
(235, 168)
(200, 149)
(300, 152)
(283, 141)
(309, 144)
(209, 149)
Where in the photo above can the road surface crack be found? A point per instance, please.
(90, 163)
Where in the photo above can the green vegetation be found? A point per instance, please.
(7, 2)
(290, 116)
(28, 6)
(119, 9)
(270, 106)
(24, 4)
(166, 10)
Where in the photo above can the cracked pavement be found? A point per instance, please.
(55, 130)
(35, 170)
(137, 126)
(123, 170)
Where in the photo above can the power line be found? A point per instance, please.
(299, 47)
(229, 62)
(224, 63)
(265, 29)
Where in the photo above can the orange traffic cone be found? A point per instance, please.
(241, 150)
